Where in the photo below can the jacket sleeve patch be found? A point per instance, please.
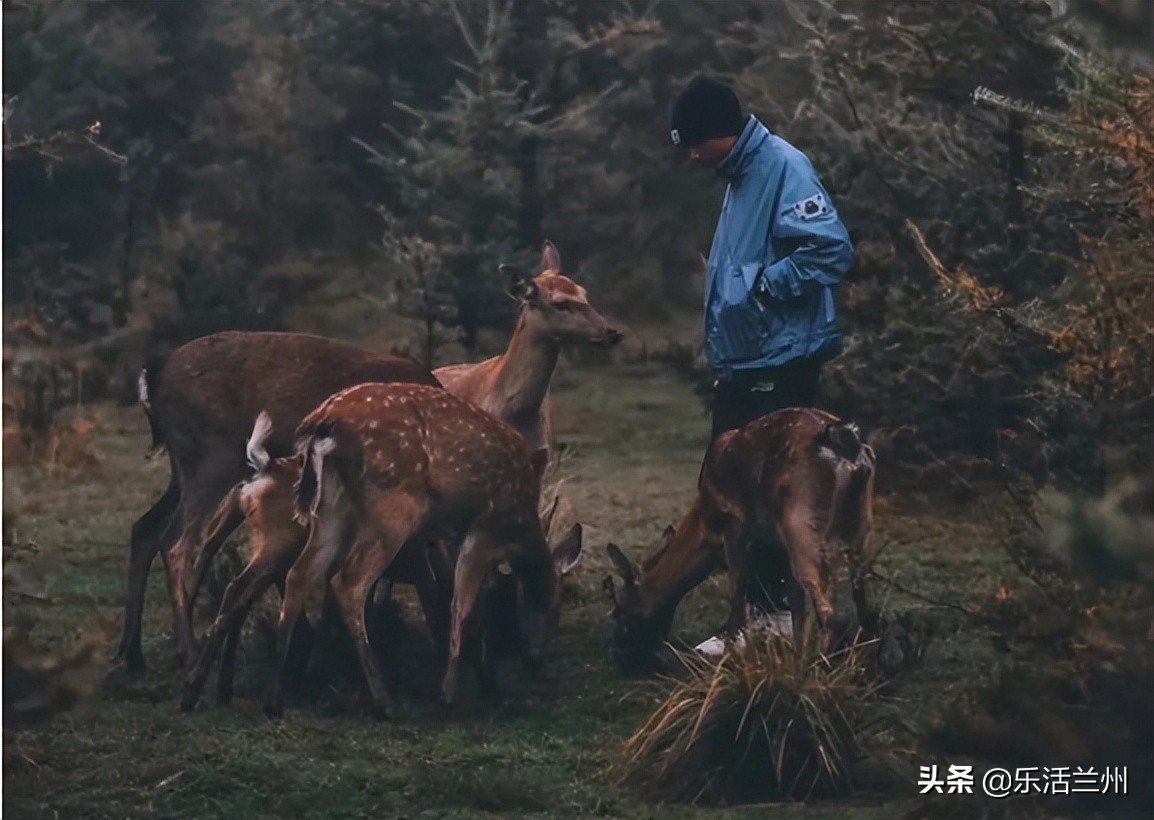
(810, 207)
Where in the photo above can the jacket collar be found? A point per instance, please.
(733, 167)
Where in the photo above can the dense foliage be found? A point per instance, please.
(173, 169)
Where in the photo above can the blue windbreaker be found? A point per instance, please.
(778, 252)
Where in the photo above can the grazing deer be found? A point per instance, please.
(798, 477)
(514, 387)
(390, 465)
(201, 403)
(266, 503)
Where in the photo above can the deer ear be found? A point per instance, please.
(519, 286)
(550, 258)
(667, 535)
(568, 552)
(610, 589)
(623, 565)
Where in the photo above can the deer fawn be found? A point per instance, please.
(514, 387)
(798, 477)
(390, 465)
(266, 503)
(201, 403)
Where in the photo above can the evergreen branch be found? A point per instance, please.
(463, 27)
(49, 146)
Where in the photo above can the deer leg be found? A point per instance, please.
(737, 559)
(228, 517)
(853, 525)
(468, 578)
(201, 494)
(299, 643)
(396, 519)
(227, 673)
(320, 553)
(351, 590)
(805, 540)
(238, 597)
(147, 539)
(174, 560)
(865, 617)
(435, 593)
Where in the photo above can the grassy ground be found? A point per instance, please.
(636, 435)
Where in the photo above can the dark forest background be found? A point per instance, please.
(361, 167)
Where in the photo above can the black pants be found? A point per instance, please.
(749, 395)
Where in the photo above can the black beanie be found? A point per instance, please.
(704, 110)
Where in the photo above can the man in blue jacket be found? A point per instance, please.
(778, 253)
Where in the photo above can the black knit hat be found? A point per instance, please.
(704, 110)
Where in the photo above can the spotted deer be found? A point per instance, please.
(514, 387)
(266, 502)
(800, 478)
(200, 403)
(390, 466)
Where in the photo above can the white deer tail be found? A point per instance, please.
(310, 487)
(255, 451)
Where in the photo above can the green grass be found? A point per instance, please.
(636, 434)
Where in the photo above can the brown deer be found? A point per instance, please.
(387, 466)
(797, 477)
(266, 502)
(514, 387)
(201, 402)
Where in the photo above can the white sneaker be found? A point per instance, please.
(775, 623)
(712, 647)
(778, 623)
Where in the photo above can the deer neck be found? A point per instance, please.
(525, 370)
(668, 576)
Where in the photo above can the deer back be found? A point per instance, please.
(213, 387)
(792, 456)
(425, 441)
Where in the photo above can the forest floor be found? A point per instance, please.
(635, 435)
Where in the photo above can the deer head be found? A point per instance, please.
(513, 628)
(640, 623)
(795, 485)
(555, 306)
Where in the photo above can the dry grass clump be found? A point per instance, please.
(66, 449)
(764, 722)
